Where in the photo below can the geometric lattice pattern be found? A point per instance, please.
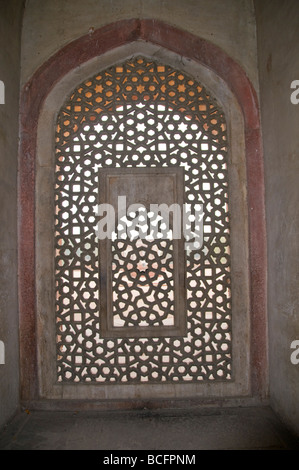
(143, 284)
(141, 114)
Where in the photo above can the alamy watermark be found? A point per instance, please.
(295, 94)
(2, 353)
(295, 354)
(152, 223)
(2, 92)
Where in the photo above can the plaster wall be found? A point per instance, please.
(10, 30)
(278, 37)
(51, 24)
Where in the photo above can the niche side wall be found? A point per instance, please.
(278, 37)
(10, 33)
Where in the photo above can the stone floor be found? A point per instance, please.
(175, 430)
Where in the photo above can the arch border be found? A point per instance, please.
(33, 96)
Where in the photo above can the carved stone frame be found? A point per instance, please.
(247, 219)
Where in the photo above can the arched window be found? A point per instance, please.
(124, 317)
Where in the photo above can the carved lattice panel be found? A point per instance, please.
(141, 114)
(142, 274)
(143, 283)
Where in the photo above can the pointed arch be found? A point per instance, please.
(33, 97)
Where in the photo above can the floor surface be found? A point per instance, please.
(208, 429)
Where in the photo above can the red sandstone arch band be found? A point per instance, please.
(33, 96)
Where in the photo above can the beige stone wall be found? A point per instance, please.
(50, 24)
(278, 38)
(10, 28)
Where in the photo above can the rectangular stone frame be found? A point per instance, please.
(244, 138)
(145, 186)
